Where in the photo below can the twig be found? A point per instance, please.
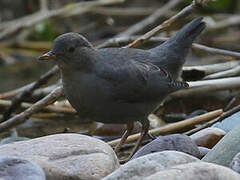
(41, 92)
(47, 115)
(126, 11)
(199, 88)
(24, 44)
(149, 20)
(228, 22)
(184, 12)
(50, 108)
(210, 123)
(22, 117)
(228, 73)
(18, 99)
(36, 94)
(174, 126)
(213, 68)
(68, 10)
(12, 93)
(216, 50)
(43, 5)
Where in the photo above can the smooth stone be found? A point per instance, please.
(13, 139)
(224, 151)
(229, 123)
(15, 168)
(66, 156)
(235, 164)
(175, 142)
(196, 171)
(203, 151)
(147, 165)
(208, 137)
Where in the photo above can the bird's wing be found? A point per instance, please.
(136, 81)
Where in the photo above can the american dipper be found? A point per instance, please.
(121, 85)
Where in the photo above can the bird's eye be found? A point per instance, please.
(71, 49)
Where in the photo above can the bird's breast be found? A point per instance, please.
(86, 92)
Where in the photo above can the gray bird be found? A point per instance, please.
(121, 85)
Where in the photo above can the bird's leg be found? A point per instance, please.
(124, 137)
(144, 131)
(151, 136)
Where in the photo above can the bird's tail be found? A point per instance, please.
(173, 52)
(189, 32)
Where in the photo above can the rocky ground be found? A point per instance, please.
(75, 156)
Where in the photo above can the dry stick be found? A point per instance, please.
(50, 108)
(43, 5)
(42, 92)
(126, 11)
(70, 9)
(210, 123)
(227, 22)
(38, 93)
(47, 115)
(228, 73)
(184, 12)
(149, 20)
(12, 93)
(216, 50)
(213, 68)
(199, 88)
(27, 92)
(174, 126)
(117, 41)
(22, 117)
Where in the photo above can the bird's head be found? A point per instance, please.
(66, 47)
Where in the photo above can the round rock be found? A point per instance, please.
(229, 123)
(15, 168)
(196, 171)
(67, 156)
(175, 142)
(208, 137)
(149, 164)
(203, 151)
(225, 150)
(235, 164)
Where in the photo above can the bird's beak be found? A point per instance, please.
(47, 56)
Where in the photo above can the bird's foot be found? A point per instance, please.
(151, 136)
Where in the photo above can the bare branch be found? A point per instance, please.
(18, 99)
(184, 12)
(228, 22)
(22, 117)
(210, 123)
(126, 11)
(228, 73)
(68, 10)
(149, 20)
(198, 88)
